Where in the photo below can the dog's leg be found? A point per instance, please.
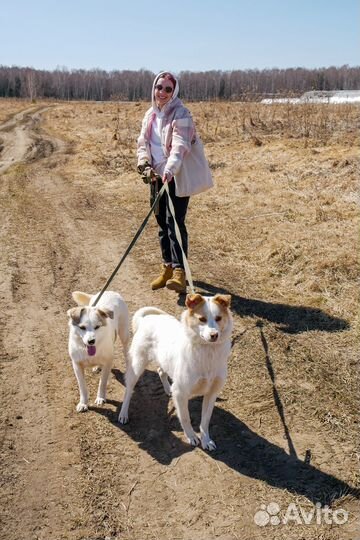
(131, 379)
(165, 381)
(182, 408)
(101, 395)
(79, 371)
(124, 336)
(207, 409)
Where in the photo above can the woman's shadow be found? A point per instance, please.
(158, 432)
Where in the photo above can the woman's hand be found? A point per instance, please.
(148, 175)
(167, 177)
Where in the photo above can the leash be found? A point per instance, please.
(130, 246)
(165, 187)
(178, 238)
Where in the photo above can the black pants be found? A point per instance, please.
(170, 249)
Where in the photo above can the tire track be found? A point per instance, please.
(22, 140)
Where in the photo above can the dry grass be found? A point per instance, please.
(9, 107)
(279, 233)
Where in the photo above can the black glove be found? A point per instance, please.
(148, 175)
(142, 166)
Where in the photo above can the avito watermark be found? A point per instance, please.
(272, 514)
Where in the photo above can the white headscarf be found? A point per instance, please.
(174, 99)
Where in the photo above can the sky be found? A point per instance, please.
(179, 36)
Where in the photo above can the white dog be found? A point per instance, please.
(193, 352)
(93, 331)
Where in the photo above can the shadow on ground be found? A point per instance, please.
(158, 432)
(290, 319)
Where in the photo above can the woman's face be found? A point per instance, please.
(164, 90)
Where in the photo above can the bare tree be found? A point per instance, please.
(212, 85)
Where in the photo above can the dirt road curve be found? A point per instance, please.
(67, 476)
(20, 139)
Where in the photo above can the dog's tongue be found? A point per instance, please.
(91, 349)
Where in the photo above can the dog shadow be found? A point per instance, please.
(290, 319)
(157, 431)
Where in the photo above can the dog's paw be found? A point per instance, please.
(123, 419)
(208, 444)
(81, 407)
(193, 440)
(100, 401)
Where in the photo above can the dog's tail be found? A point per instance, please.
(81, 298)
(143, 312)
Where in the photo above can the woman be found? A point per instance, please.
(166, 142)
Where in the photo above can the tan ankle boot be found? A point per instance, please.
(178, 281)
(165, 274)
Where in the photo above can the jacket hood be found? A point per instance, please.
(174, 99)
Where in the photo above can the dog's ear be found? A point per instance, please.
(75, 314)
(223, 300)
(81, 298)
(194, 300)
(104, 312)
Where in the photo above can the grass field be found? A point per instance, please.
(279, 232)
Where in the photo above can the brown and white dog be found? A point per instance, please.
(93, 331)
(193, 352)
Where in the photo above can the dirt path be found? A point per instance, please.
(21, 139)
(82, 477)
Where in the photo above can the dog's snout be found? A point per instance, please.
(91, 341)
(214, 335)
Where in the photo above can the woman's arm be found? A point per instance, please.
(183, 133)
(143, 155)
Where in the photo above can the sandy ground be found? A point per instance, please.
(69, 476)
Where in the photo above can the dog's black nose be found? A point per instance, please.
(214, 336)
(91, 341)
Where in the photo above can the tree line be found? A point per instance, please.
(126, 85)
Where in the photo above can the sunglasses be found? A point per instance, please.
(168, 89)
